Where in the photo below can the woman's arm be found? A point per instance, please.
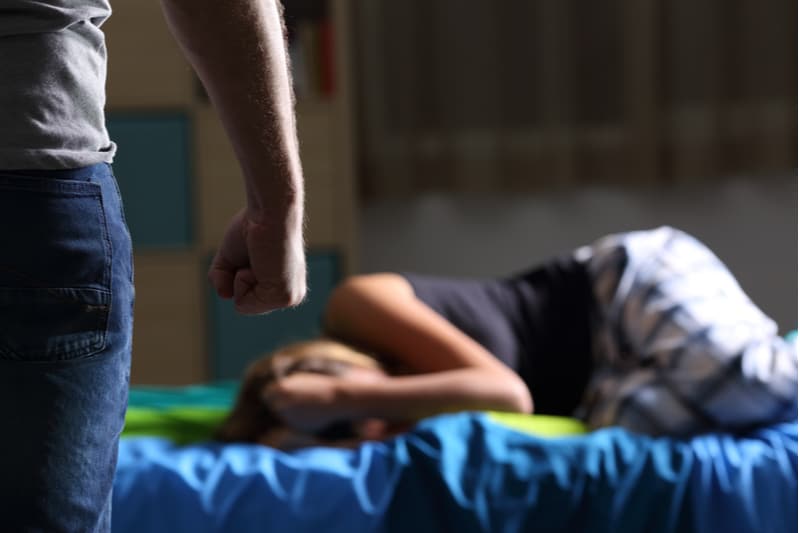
(449, 370)
(311, 402)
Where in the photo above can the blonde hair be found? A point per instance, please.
(317, 355)
(250, 417)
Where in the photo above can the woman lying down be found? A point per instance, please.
(646, 330)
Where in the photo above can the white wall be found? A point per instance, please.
(751, 225)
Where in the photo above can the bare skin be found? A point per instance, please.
(307, 415)
(238, 50)
(448, 371)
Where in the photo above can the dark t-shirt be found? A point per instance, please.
(536, 322)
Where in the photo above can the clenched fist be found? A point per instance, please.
(260, 264)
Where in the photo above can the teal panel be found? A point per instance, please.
(237, 340)
(153, 168)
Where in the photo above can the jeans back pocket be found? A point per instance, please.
(52, 324)
(55, 288)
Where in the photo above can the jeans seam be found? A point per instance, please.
(122, 216)
(108, 274)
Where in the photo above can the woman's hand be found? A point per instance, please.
(306, 401)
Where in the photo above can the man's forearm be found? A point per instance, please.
(237, 48)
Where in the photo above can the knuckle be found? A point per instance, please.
(286, 296)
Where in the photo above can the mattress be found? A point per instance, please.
(461, 472)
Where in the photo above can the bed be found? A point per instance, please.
(463, 472)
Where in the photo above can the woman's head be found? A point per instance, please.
(321, 356)
(252, 420)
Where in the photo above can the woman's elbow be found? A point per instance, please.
(524, 401)
(517, 397)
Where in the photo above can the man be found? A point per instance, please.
(66, 289)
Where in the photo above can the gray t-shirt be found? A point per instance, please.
(52, 84)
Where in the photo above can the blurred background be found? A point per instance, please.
(464, 138)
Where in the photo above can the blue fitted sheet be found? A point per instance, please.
(465, 472)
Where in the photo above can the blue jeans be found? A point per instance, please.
(66, 314)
